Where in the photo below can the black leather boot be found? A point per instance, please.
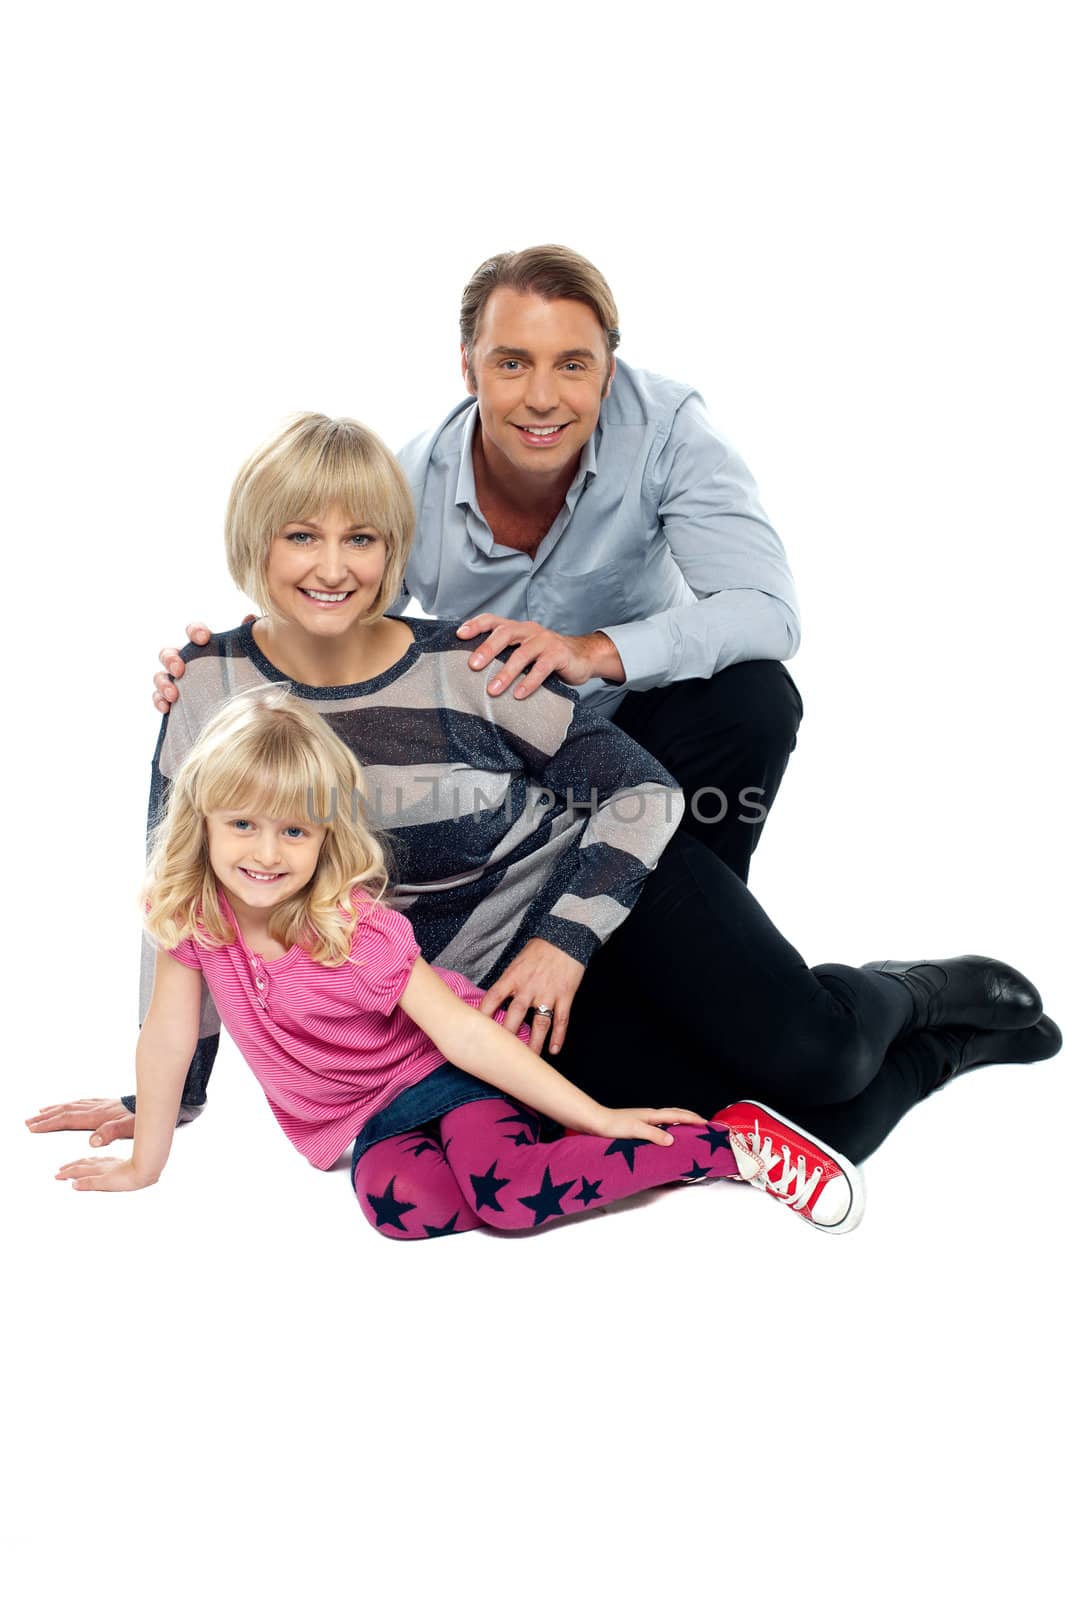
(984, 1047)
(967, 991)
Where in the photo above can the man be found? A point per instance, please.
(596, 504)
(587, 514)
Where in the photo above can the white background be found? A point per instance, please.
(841, 223)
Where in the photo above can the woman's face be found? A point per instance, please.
(324, 574)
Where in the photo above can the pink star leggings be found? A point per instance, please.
(489, 1169)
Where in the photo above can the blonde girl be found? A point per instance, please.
(267, 882)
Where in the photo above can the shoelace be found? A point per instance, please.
(792, 1176)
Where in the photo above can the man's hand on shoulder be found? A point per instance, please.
(166, 693)
(540, 651)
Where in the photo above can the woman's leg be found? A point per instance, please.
(510, 1180)
(407, 1190)
(699, 954)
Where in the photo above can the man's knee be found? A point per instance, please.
(764, 703)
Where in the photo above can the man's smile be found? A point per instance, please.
(541, 435)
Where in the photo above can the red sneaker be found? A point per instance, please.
(774, 1155)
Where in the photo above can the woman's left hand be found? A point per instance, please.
(540, 975)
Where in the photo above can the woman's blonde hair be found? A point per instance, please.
(314, 462)
(267, 752)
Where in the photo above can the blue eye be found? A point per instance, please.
(296, 833)
(240, 824)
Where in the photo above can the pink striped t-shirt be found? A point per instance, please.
(329, 1045)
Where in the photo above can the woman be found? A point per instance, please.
(522, 832)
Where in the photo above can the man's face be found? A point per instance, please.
(540, 370)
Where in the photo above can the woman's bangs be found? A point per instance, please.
(338, 477)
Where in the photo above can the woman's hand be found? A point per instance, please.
(107, 1173)
(642, 1123)
(104, 1119)
(540, 975)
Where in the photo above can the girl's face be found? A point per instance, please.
(325, 574)
(261, 861)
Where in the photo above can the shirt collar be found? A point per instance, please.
(466, 487)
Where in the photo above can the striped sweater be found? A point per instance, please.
(507, 819)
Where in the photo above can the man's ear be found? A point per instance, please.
(610, 376)
(467, 373)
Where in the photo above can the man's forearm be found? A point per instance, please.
(698, 640)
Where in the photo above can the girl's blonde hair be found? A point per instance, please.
(314, 462)
(267, 752)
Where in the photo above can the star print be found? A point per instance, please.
(532, 1123)
(389, 1210)
(589, 1191)
(486, 1187)
(694, 1172)
(546, 1203)
(426, 1144)
(626, 1148)
(449, 1227)
(716, 1138)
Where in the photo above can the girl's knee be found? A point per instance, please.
(406, 1190)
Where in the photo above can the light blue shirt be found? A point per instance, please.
(661, 543)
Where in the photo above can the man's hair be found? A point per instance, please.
(549, 270)
(313, 462)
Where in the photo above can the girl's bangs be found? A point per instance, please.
(300, 794)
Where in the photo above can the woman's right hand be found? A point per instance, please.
(107, 1173)
(165, 691)
(104, 1119)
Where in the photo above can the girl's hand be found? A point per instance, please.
(105, 1172)
(642, 1123)
(540, 975)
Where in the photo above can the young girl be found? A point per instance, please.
(267, 881)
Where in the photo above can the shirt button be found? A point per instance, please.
(259, 983)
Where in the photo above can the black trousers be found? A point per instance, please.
(697, 1000)
(726, 740)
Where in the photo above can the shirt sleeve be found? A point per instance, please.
(633, 807)
(730, 556)
(383, 952)
(187, 953)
